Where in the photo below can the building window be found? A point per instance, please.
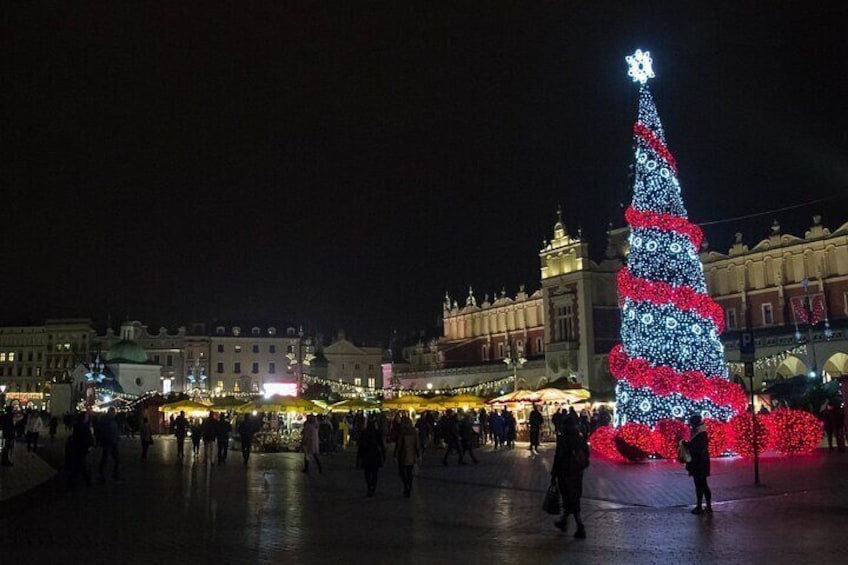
(237, 367)
(357, 381)
(730, 318)
(220, 330)
(290, 349)
(519, 346)
(485, 352)
(272, 368)
(255, 331)
(255, 368)
(256, 348)
(272, 331)
(190, 354)
(564, 320)
(845, 302)
(220, 348)
(372, 382)
(539, 348)
(169, 360)
(237, 348)
(236, 331)
(501, 351)
(768, 314)
(272, 349)
(220, 368)
(11, 357)
(356, 366)
(2, 357)
(156, 359)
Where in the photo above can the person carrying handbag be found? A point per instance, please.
(698, 465)
(570, 461)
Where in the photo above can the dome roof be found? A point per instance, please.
(126, 351)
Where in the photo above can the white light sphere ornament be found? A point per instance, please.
(640, 66)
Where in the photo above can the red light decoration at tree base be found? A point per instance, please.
(602, 442)
(719, 439)
(794, 432)
(741, 434)
(666, 436)
(633, 441)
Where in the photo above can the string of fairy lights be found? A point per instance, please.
(346, 387)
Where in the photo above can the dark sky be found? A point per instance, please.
(344, 167)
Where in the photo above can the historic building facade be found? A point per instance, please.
(564, 329)
(792, 292)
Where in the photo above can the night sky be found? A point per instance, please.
(344, 167)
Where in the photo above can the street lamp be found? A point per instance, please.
(514, 361)
(300, 359)
(811, 315)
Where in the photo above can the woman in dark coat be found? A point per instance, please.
(370, 454)
(699, 466)
(568, 472)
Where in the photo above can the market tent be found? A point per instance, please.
(292, 404)
(515, 397)
(355, 404)
(464, 401)
(192, 408)
(562, 396)
(409, 402)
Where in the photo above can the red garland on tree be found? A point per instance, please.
(741, 433)
(602, 442)
(666, 436)
(633, 441)
(793, 432)
(718, 434)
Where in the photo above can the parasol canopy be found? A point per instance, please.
(409, 402)
(278, 403)
(562, 396)
(188, 406)
(464, 401)
(355, 404)
(515, 397)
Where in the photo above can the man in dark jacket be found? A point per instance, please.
(246, 430)
(223, 428)
(699, 466)
(108, 436)
(7, 427)
(370, 455)
(450, 432)
(535, 420)
(180, 427)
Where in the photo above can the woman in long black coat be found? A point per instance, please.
(568, 472)
(699, 466)
(370, 454)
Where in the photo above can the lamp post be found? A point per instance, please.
(514, 361)
(2, 396)
(810, 315)
(300, 359)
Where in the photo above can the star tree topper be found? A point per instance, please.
(640, 66)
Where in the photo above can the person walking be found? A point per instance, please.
(146, 436)
(466, 438)
(208, 432)
(496, 423)
(53, 426)
(76, 449)
(310, 444)
(370, 455)
(535, 420)
(699, 466)
(180, 427)
(7, 427)
(509, 428)
(834, 425)
(483, 418)
(571, 459)
(34, 426)
(246, 430)
(223, 428)
(450, 433)
(108, 438)
(407, 453)
(196, 436)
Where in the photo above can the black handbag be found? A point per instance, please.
(551, 504)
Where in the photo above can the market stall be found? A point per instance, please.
(281, 421)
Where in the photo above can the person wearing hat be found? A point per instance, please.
(699, 465)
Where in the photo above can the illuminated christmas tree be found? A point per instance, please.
(671, 362)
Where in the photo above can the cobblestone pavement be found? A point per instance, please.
(270, 512)
(28, 471)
